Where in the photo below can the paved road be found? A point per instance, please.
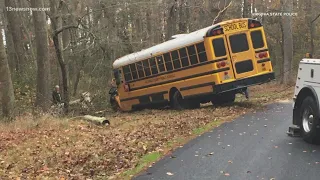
(254, 146)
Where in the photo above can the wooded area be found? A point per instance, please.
(75, 42)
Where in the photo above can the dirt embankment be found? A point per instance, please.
(72, 149)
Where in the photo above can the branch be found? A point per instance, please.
(58, 31)
(315, 19)
(221, 12)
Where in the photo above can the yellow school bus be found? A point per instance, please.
(211, 64)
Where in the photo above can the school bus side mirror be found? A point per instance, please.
(308, 55)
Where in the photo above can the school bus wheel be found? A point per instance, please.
(177, 101)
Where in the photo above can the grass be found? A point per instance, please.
(207, 127)
(145, 161)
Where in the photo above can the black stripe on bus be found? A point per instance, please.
(145, 96)
(263, 60)
(184, 78)
(176, 70)
(262, 50)
(197, 86)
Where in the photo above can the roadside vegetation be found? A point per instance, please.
(48, 147)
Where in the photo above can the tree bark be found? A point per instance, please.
(171, 22)
(287, 42)
(15, 23)
(245, 12)
(6, 87)
(12, 56)
(43, 70)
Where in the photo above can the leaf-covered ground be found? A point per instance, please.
(46, 147)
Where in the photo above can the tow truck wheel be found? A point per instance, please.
(309, 120)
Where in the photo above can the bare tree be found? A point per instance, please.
(287, 41)
(43, 70)
(6, 87)
(14, 22)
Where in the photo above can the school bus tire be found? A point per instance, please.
(177, 101)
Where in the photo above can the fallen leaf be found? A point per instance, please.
(169, 174)
(210, 154)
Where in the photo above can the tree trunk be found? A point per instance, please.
(6, 87)
(63, 71)
(76, 83)
(43, 63)
(12, 56)
(15, 23)
(57, 40)
(245, 12)
(287, 42)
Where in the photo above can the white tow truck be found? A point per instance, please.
(306, 107)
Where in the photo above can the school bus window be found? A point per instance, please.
(175, 59)
(192, 55)
(201, 52)
(140, 69)
(219, 47)
(160, 64)
(239, 43)
(146, 67)
(184, 57)
(127, 73)
(153, 66)
(257, 39)
(134, 71)
(168, 61)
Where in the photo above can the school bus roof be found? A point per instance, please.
(181, 41)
